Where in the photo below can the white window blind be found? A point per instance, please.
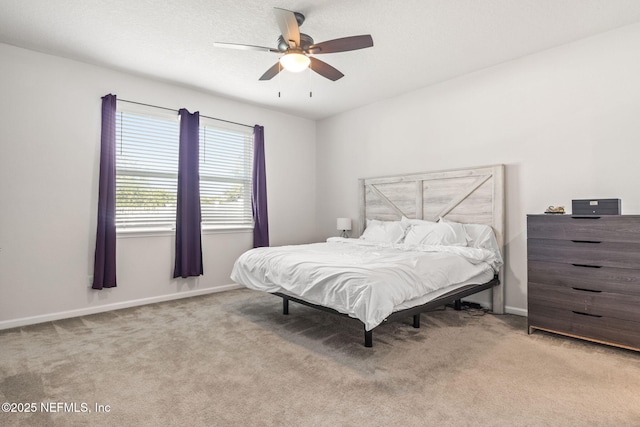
(226, 162)
(147, 172)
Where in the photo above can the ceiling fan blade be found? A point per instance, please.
(288, 26)
(325, 70)
(244, 47)
(271, 72)
(341, 45)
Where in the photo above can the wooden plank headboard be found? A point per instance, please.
(470, 195)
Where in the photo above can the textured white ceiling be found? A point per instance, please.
(416, 42)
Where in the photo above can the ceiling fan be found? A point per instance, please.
(298, 47)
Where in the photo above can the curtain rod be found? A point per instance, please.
(171, 109)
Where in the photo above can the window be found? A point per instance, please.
(226, 162)
(147, 172)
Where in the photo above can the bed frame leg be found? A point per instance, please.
(457, 305)
(416, 320)
(285, 305)
(368, 338)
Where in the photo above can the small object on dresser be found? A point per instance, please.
(596, 207)
(555, 210)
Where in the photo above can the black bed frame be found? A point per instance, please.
(451, 297)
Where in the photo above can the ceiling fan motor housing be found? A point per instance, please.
(305, 41)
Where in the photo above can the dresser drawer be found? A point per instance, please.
(602, 329)
(606, 228)
(589, 253)
(581, 301)
(606, 279)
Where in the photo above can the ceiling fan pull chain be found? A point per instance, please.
(310, 88)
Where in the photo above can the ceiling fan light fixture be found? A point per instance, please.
(295, 62)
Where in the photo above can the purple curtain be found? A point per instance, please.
(259, 191)
(188, 236)
(104, 267)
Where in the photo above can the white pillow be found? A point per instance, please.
(408, 222)
(481, 236)
(383, 231)
(440, 233)
(458, 227)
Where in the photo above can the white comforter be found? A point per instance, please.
(363, 280)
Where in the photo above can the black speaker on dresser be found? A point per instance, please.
(596, 207)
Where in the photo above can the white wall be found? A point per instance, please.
(565, 122)
(49, 151)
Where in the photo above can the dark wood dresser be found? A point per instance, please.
(584, 277)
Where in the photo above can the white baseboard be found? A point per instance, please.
(24, 321)
(515, 310)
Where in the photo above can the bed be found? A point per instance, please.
(426, 240)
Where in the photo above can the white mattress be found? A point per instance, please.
(364, 280)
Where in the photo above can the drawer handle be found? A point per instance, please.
(585, 241)
(587, 265)
(587, 290)
(585, 217)
(586, 314)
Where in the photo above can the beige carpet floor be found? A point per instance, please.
(232, 359)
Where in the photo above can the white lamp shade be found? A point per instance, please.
(295, 62)
(344, 224)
